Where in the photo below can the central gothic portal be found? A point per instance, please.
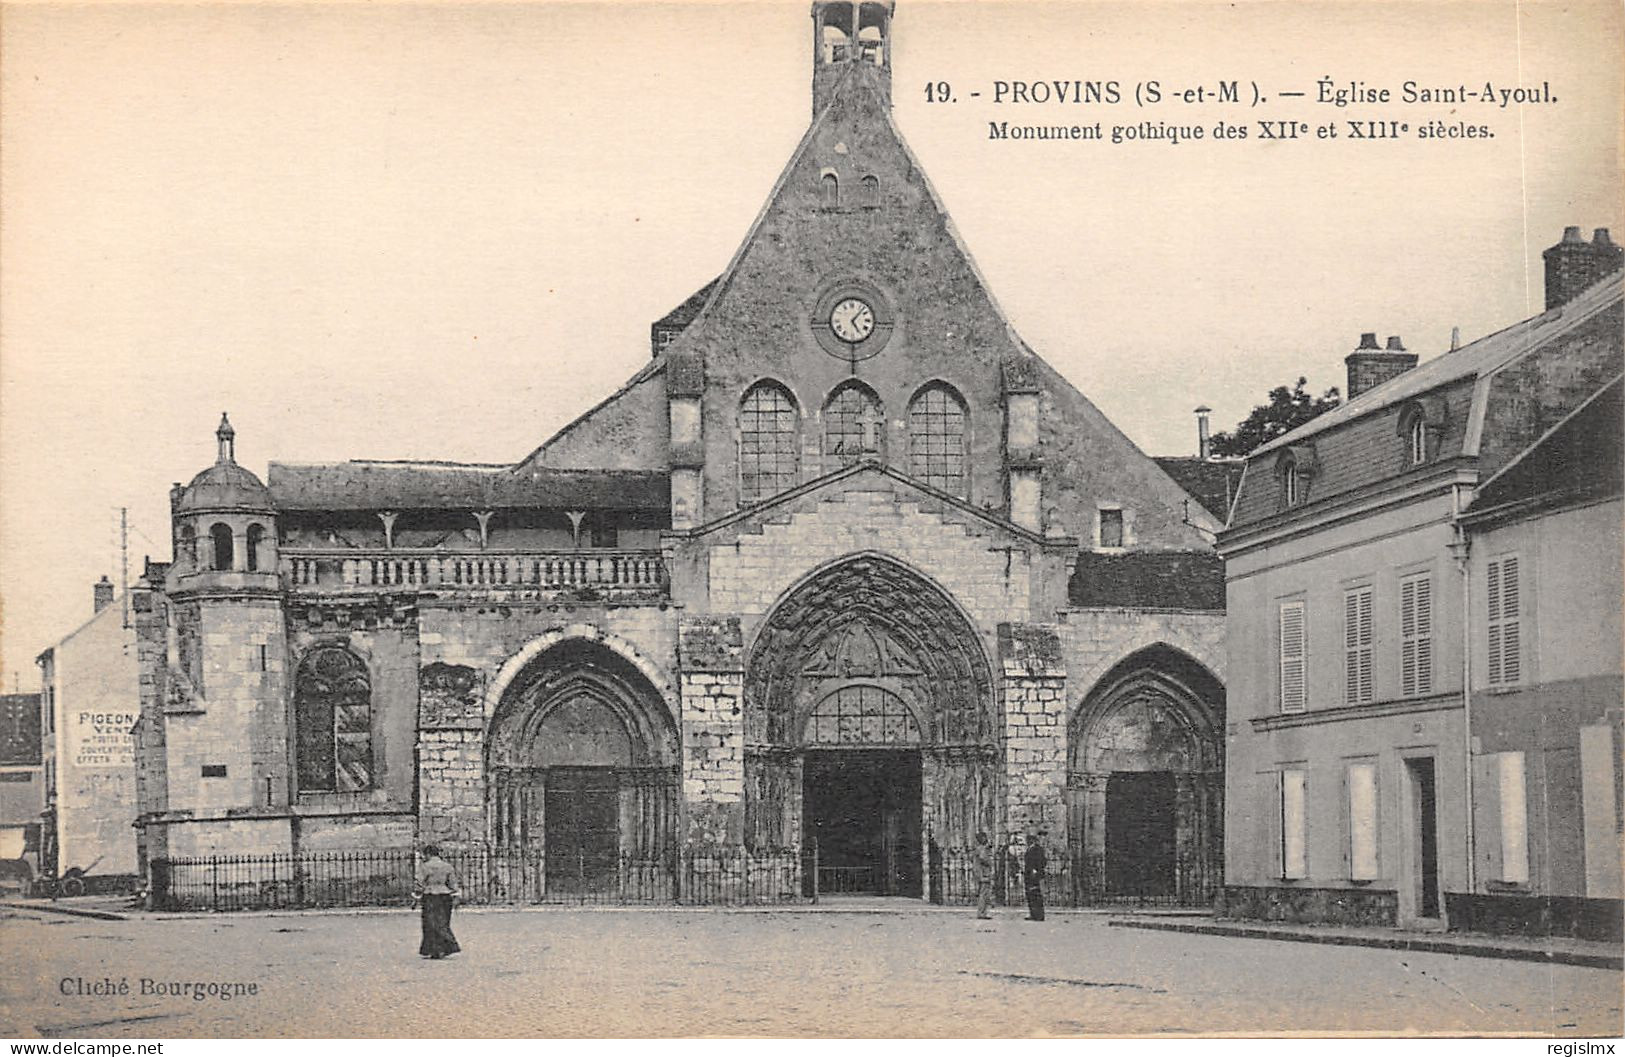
(870, 725)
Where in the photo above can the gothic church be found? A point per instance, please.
(845, 562)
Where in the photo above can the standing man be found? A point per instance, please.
(984, 876)
(1032, 873)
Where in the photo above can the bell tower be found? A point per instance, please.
(851, 37)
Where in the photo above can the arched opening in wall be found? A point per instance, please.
(835, 33)
(255, 549)
(854, 425)
(333, 722)
(872, 34)
(581, 769)
(769, 442)
(1145, 783)
(870, 192)
(221, 546)
(186, 547)
(870, 730)
(829, 190)
(936, 438)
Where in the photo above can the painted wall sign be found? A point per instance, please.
(101, 739)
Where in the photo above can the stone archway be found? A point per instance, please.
(581, 759)
(871, 724)
(1145, 782)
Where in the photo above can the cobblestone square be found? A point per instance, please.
(677, 973)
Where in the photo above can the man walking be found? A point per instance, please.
(984, 876)
(1032, 873)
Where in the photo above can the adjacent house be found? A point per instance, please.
(1425, 577)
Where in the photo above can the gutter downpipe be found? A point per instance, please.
(1460, 550)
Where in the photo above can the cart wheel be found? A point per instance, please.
(73, 886)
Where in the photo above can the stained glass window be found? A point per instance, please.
(936, 439)
(333, 715)
(768, 459)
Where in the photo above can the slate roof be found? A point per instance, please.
(369, 485)
(684, 314)
(1580, 456)
(1484, 356)
(1148, 579)
(1211, 482)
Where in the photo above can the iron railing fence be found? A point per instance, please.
(485, 876)
(1078, 880)
(728, 877)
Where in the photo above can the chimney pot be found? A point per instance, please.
(102, 594)
(1574, 265)
(1394, 344)
(1368, 340)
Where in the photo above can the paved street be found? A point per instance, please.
(677, 973)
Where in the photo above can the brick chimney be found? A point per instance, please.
(1204, 440)
(103, 592)
(1371, 366)
(1574, 264)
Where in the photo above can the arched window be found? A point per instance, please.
(936, 439)
(333, 721)
(835, 42)
(1292, 486)
(768, 442)
(829, 190)
(220, 536)
(1418, 441)
(854, 425)
(871, 191)
(254, 541)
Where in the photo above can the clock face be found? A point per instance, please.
(852, 320)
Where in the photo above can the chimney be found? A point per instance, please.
(103, 593)
(1574, 265)
(1204, 445)
(1370, 366)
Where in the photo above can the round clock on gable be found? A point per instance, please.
(852, 320)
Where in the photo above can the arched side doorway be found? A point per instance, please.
(870, 728)
(581, 764)
(1145, 782)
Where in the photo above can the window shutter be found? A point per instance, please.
(1294, 852)
(1292, 657)
(1511, 667)
(1505, 663)
(1416, 636)
(1357, 646)
(1514, 818)
(1363, 822)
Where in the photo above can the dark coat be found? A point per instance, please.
(1034, 862)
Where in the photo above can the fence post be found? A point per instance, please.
(815, 872)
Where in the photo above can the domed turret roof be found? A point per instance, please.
(225, 485)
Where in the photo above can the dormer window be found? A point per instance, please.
(1420, 426)
(1295, 467)
(1292, 486)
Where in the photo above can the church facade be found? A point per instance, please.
(845, 564)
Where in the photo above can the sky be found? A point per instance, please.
(441, 231)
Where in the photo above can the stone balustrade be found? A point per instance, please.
(637, 572)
